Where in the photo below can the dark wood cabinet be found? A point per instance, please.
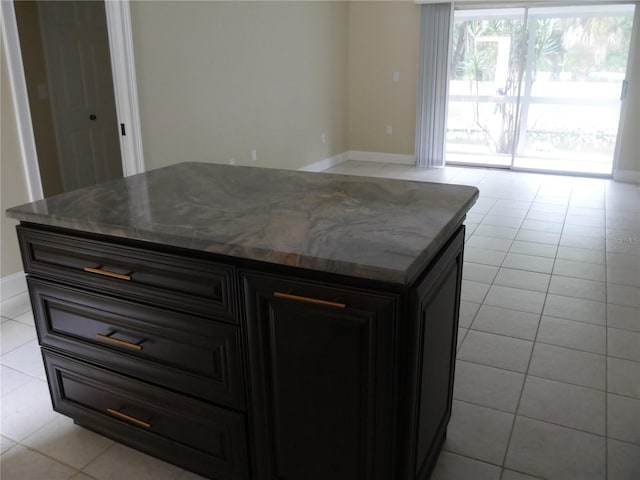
(321, 367)
(239, 369)
(351, 384)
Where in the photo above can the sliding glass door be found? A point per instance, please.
(538, 88)
(486, 71)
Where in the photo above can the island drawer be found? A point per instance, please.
(183, 352)
(189, 433)
(178, 282)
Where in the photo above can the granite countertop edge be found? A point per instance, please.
(28, 214)
(403, 277)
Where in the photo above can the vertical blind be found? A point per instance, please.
(433, 84)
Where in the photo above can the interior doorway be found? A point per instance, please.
(538, 88)
(67, 66)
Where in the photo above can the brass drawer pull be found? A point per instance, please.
(133, 420)
(107, 273)
(119, 342)
(317, 301)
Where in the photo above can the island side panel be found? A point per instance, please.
(431, 339)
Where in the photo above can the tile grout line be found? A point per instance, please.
(524, 380)
(605, 303)
(21, 372)
(113, 444)
(526, 374)
(530, 355)
(606, 349)
(541, 420)
(34, 450)
(546, 378)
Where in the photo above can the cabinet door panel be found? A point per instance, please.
(321, 367)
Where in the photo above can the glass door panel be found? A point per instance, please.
(486, 70)
(570, 103)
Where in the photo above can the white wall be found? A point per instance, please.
(383, 39)
(218, 79)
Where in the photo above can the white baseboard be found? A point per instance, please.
(630, 176)
(396, 158)
(12, 285)
(322, 165)
(382, 157)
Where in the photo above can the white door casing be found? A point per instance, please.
(124, 79)
(11, 42)
(125, 84)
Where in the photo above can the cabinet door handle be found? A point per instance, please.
(118, 342)
(317, 301)
(107, 273)
(128, 418)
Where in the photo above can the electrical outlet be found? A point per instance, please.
(232, 161)
(254, 155)
(389, 130)
(324, 137)
(396, 76)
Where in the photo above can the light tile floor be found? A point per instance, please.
(548, 372)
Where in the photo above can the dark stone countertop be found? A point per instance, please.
(370, 228)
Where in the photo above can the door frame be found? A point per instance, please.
(124, 83)
(630, 79)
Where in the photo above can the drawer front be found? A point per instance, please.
(199, 437)
(190, 354)
(181, 283)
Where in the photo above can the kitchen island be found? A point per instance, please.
(249, 323)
